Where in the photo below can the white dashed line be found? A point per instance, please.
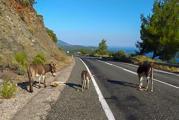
(103, 102)
(136, 74)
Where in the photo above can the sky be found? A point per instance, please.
(87, 22)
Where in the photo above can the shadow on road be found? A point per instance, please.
(123, 83)
(73, 85)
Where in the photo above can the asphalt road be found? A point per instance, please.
(118, 87)
(74, 104)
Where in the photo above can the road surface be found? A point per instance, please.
(117, 82)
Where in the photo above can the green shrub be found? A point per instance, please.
(52, 35)
(39, 59)
(21, 58)
(8, 89)
(120, 55)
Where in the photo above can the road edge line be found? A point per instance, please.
(103, 102)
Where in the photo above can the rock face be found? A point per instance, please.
(21, 29)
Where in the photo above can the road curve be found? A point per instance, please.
(126, 102)
(117, 82)
(73, 104)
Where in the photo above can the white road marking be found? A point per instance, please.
(103, 102)
(136, 74)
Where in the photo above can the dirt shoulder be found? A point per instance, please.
(34, 106)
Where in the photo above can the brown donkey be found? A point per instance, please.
(145, 70)
(39, 70)
(85, 79)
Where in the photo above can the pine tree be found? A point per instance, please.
(160, 31)
(150, 32)
(170, 29)
(102, 48)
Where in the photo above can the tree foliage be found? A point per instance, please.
(160, 31)
(102, 48)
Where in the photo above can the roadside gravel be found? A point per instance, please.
(34, 106)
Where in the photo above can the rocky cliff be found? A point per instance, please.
(21, 29)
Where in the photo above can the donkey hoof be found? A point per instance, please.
(140, 89)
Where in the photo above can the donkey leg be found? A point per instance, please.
(30, 84)
(44, 81)
(87, 83)
(83, 85)
(39, 80)
(152, 89)
(140, 83)
(148, 79)
(152, 79)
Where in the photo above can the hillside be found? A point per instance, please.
(21, 29)
(73, 48)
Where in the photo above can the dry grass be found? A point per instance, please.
(140, 59)
(167, 68)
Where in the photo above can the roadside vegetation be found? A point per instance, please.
(103, 52)
(8, 89)
(39, 59)
(102, 49)
(52, 35)
(159, 31)
(22, 60)
(121, 56)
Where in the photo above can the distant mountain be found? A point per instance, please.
(62, 43)
(73, 48)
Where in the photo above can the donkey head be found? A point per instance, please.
(53, 68)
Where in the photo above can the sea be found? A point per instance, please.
(128, 50)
